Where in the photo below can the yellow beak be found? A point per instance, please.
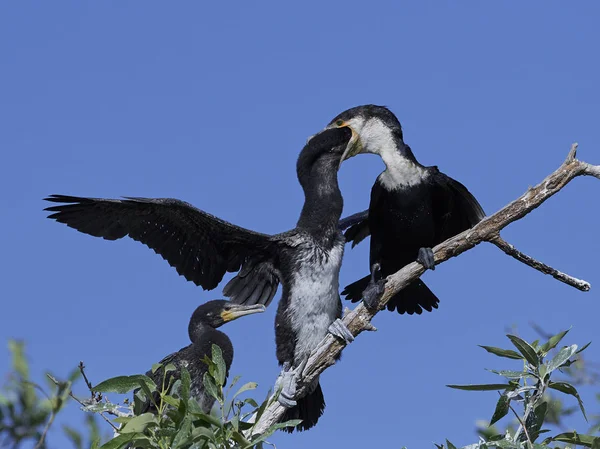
(237, 310)
(353, 148)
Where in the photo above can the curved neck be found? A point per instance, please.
(401, 167)
(323, 202)
(200, 331)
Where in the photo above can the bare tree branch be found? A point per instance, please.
(488, 230)
(527, 260)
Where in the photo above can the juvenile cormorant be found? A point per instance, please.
(306, 259)
(412, 209)
(310, 267)
(203, 333)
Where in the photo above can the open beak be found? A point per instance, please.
(238, 310)
(353, 148)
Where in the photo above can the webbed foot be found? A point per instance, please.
(426, 259)
(288, 382)
(339, 330)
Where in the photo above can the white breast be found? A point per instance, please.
(314, 297)
(400, 172)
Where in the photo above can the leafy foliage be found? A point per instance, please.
(180, 422)
(527, 389)
(27, 410)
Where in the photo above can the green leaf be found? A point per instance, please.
(574, 438)
(245, 387)
(271, 430)
(511, 374)
(174, 402)
(120, 441)
(539, 414)
(240, 439)
(562, 357)
(221, 370)
(170, 367)
(566, 388)
(156, 367)
(186, 381)
(450, 445)
(138, 424)
(482, 387)
(202, 433)
(554, 341)
(525, 349)
(502, 408)
(543, 370)
(124, 384)
(507, 353)
(209, 386)
(147, 392)
(583, 348)
(184, 432)
(235, 380)
(122, 419)
(251, 401)
(209, 419)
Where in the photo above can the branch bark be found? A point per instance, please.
(488, 230)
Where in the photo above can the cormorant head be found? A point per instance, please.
(375, 129)
(218, 312)
(330, 143)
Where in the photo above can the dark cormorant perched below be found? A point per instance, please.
(203, 333)
(306, 259)
(412, 209)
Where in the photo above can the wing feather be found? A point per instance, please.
(200, 246)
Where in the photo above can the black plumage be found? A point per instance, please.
(203, 333)
(200, 246)
(306, 259)
(412, 208)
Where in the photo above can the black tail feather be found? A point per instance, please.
(354, 291)
(309, 409)
(411, 299)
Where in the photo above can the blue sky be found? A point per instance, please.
(211, 103)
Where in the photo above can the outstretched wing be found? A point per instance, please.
(200, 246)
(456, 209)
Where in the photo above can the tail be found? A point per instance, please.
(354, 291)
(413, 299)
(309, 409)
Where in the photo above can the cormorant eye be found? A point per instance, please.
(339, 123)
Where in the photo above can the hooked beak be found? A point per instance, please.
(353, 148)
(238, 310)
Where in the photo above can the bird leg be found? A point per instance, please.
(375, 289)
(338, 329)
(426, 259)
(288, 382)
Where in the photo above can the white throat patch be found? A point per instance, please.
(377, 138)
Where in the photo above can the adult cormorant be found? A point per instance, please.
(203, 333)
(412, 209)
(306, 259)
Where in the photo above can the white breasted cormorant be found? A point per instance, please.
(203, 333)
(306, 259)
(412, 209)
